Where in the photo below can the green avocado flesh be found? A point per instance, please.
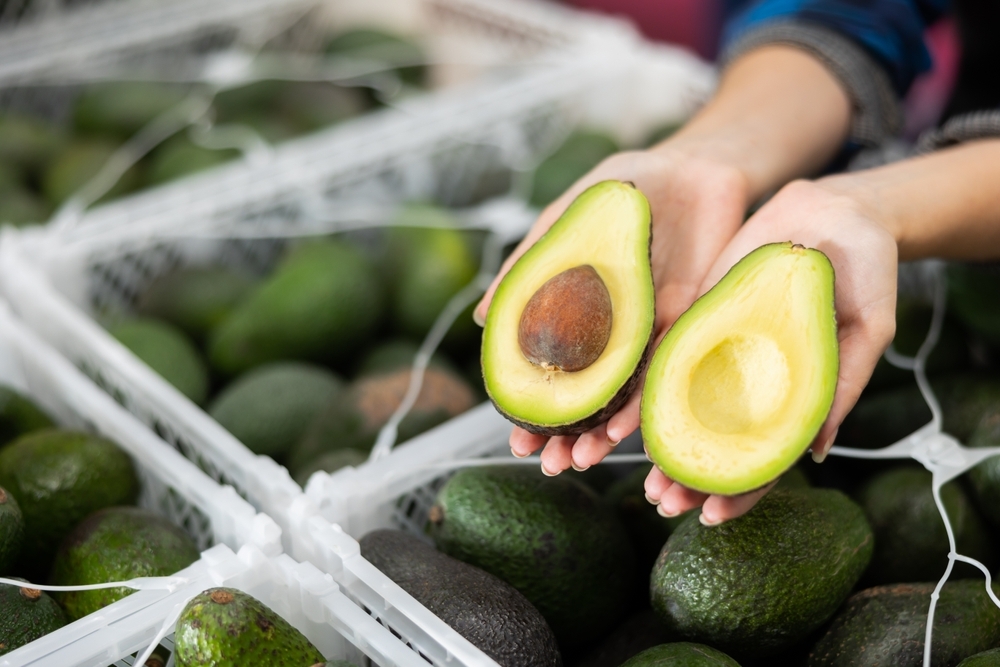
(742, 382)
(607, 228)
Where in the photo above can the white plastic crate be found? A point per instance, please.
(298, 592)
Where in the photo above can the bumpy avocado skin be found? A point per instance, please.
(26, 615)
(194, 299)
(910, 539)
(19, 416)
(117, 544)
(165, 349)
(984, 479)
(59, 478)
(552, 538)
(989, 658)
(269, 408)
(759, 584)
(885, 625)
(11, 531)
(321, 302)
(484, 609)
(681, 654)
(225, 627)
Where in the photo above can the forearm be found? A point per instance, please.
(945, 204)
(778, 114)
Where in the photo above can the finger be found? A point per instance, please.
(719, 509)
(558, 454)
(591, 448)
(524, 443)
(656, 485)
(679, 499)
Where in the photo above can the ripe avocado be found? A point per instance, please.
(164, 348)
(580, 153)
(322, 301)
(181, 157)
(11, 531)
(596, 253)
(120, 109)
(117, 544)
(885, 625)
(910, 539)
(269, 408)
(25, 615)
(329, 462)
(989, 658)
(225, 626)
(194, 298)
(19, 415)
(76, 165)
(759, 584)
(733, 398)
(974, 297)
(549, 537)
(681, 654)
(486, 610)
(354, 420)
(59, 478)
(984, 479)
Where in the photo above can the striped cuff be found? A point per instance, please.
(877, 114)
(967, 127)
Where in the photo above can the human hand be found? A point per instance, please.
(697, 204)
(825, 216)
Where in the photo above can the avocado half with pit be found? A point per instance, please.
(742, 382)
(570, 326)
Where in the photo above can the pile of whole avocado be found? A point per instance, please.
(43, 163)
(67, 518)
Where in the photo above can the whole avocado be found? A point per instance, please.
(640, 631)
(910, 539)
(321, 303)
(484, 609)
(885, 625)
(681, 654)
(270, 407)
(549, 537)
(164, 348)
(59, 478)
(225, 627)
(117, 544)
(25, 615)
(989, 658)
(19, 415)
(11, 531)
(761, 583)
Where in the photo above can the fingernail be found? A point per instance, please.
(708, 522)
(820, 456)
(664, 513)
(577, 468)
(478, 319)
(518, 456)
(651, 501)
(547, 473)
(613, 443)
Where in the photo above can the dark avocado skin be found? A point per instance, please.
(681, 654)
(117, 544)
(989, 658)
(11, 531)
(19, 416)
(885, 626)
(238, 633)
(486, 610)
(759, 584)
(60, 477)
(984, 479)
(25, 618)
(640, 631)
(910, 539)
(551, 538)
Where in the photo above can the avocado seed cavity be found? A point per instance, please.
(566, 324)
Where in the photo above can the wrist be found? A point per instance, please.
(865, 196)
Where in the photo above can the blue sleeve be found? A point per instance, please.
(891, 31)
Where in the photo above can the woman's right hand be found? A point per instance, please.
(697, 205)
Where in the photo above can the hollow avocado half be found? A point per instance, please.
(571, 324)
(741, 384)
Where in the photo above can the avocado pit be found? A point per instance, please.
(566, 324)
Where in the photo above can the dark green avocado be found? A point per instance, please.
(11, 531)
(487, 611)
(25, 615)
(681, 654)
